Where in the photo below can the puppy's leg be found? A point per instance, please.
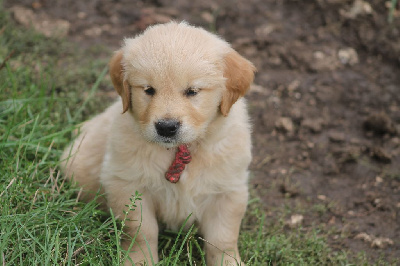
(220, 227)
(141, 223)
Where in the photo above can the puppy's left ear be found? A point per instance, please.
(117, 78)
(239, 74)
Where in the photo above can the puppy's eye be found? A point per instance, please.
(149, 90)
(189, 92)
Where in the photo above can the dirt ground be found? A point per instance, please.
(325, 107)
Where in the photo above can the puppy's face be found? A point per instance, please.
(176, 79)
(173, 109)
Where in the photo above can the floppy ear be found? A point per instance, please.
(239, 74)
(117, 78)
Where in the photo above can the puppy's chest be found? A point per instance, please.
(174, 204)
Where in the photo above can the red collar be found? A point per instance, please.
(182, 157)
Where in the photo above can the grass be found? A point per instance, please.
(47, 88)
(393, 4)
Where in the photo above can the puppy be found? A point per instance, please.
(180, 137)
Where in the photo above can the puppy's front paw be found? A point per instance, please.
(139, 263)
(224, 259)
(233, 262)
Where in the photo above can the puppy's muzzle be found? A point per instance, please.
(167, 128)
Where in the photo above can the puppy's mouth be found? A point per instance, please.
(168, 142)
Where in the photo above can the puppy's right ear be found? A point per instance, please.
(239, 74)
(117, 78)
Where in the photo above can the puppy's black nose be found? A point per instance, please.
(167, 127)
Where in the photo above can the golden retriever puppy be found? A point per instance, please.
(180, 137)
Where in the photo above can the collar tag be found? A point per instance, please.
(182, 157)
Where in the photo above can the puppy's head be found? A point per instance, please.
(175, 79)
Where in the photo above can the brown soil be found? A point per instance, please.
(326, 107)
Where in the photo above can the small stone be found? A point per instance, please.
(259, 89)
(364, 237)
(321, 197)
(381, 242)
(295, 219)
(294, 85)
(208, 17)
(93, 31)
(355, 141)
(351, 213)
(377, 202)
(314, 125)
(348, 56)
(380, 155)
(358, 8)
(380, 124)
(319, 55)
(310, 145)
(274, 60)
(285, 125)
(264, 30)
(82, 15)
(337, 137)
(283, 171)
(395, 141)
(378, 179)
(288, 191)
(322, 60)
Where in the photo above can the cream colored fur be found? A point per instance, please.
(122, 153)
